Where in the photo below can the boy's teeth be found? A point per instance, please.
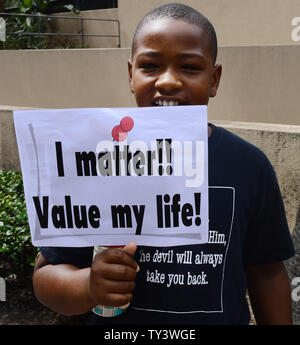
(165, 103)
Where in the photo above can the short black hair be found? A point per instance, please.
(184, 13)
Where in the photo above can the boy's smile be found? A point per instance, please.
(172, 65)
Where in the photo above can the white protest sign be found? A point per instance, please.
(114, 175)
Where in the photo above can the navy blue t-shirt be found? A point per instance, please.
(206, 284)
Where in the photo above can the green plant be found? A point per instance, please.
(10, 3)
(24, 26)
(17, 254)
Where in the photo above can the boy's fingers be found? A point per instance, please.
(119, 272)
(119, 299)
(116, 256)
(119, 287)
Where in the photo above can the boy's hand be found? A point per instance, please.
(112, 276)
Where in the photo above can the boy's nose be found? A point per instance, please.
(168, 83)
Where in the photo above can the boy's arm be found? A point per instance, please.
(69, 290)
(270, 294)
(62, 288)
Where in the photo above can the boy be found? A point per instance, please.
(173, 63)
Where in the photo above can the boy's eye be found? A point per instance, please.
(191, 68)
(149, 66)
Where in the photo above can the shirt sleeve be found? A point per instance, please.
(79, 257)
(267, 238)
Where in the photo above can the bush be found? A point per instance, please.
(17, 254)
(25, 26)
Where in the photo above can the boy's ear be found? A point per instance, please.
(130, 75)
(216, 80)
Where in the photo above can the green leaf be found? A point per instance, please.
(23, 9)
(43, 5)
(72, 8)
(28, 3)
(28, 21)
(69, 7)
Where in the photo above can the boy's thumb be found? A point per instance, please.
(130, 248)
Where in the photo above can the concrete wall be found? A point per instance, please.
(281, 143)
(89, 27)
(65, 78)
(259, 84)
(237, 23)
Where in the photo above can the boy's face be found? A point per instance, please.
(172, 65)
